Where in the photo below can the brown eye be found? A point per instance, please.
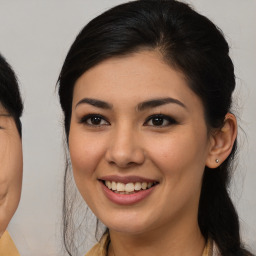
(157, 121)
(94, 120)
(160, 121)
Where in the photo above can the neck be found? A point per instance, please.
(164, 242)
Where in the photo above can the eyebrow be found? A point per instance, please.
(159, 102)
(141, 106)
(95, 103)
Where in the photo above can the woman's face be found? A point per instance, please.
(10, 168)
(138, 143)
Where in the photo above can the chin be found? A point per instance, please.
(133, 227)
(127, 229)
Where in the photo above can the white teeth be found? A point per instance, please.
(129, 188)
(144, 185)
(120, 186)
(109, 184)
(137, 186)
(113, 185)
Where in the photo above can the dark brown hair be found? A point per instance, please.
(9, 92)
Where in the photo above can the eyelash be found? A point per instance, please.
(164, 118)
(161, 117)
(86, 118)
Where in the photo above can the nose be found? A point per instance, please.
(125, 148)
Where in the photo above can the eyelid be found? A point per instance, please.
(84, 119)
(170, 119)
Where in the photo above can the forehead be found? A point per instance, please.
(138, 76)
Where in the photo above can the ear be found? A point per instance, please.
(222, 141)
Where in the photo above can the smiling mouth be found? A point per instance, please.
(128, 188)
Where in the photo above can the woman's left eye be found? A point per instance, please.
(159, 121)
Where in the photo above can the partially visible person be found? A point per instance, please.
(10, 153)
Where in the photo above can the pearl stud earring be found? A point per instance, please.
(217, 161)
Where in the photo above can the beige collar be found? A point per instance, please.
(7, 246)
(100, 249)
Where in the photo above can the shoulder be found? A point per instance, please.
(216, 252)
(211, 248)
(7, 246)
(100, 249)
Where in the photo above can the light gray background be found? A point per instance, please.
(35, 37)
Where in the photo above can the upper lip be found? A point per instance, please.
(126, 179)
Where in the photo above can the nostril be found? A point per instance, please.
(123, 164)
(111, 162)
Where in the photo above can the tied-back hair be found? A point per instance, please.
(190, 43)
(10, 97)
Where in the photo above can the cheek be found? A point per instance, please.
(11, 161)
(179, 155)
(10, 177)
(86, 153)
(179, 159)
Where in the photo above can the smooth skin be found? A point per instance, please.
(10, 168)
(126, 134)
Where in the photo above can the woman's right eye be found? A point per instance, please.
(94, 120)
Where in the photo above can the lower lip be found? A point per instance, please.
(124, 199)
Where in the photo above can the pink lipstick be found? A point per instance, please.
(127, 190)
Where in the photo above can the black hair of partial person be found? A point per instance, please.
(190, 43)
(10, 97)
